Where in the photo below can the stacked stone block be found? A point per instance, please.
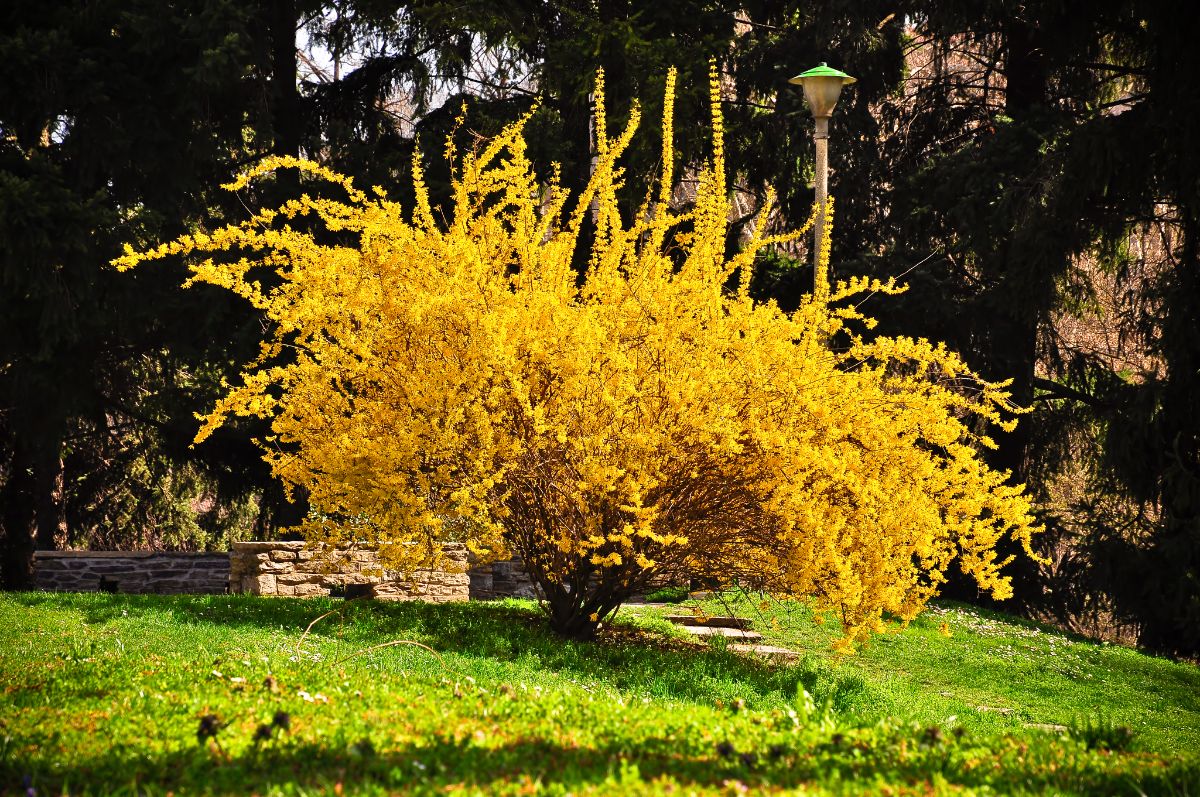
(503, 579)
(152, 572)
(291, 568)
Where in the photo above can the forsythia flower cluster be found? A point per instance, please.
(428, 382)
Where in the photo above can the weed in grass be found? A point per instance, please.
(1101, 733)
(210, 726)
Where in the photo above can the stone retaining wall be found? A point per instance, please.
(500, 580)
(274, 568)
(131, 571)
(288, 568)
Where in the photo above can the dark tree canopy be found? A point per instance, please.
(1029, 169)
(119, 120)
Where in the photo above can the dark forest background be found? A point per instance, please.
(1031, 169)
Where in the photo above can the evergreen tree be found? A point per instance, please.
(1039, 139)
(117, 121)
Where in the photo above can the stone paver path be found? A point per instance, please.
(712, 622)
(717, 630)
(736, 629)
(767, 651)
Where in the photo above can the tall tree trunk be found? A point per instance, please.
(18, 519)
(285, 97)
(1015, 339)
(32, 500)
(276, 511)
(1008, 321)
(1167, 593)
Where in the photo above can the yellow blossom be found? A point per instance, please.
(430, 382)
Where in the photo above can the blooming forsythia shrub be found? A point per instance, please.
(428, 382)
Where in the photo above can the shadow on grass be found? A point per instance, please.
(499, 632)
(436, 764)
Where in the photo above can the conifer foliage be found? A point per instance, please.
(429, 381)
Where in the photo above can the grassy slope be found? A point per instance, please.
(1019, 673)
(104, 693)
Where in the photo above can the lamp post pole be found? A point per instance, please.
(822, 85)
(821, 142)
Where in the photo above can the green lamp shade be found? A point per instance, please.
(822, 86)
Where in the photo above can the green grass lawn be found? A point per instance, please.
(109, 694)
(995, 672)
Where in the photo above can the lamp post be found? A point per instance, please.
(822, 86)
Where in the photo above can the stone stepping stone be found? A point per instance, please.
(742, 623)
(767, 651)
(716, 630)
